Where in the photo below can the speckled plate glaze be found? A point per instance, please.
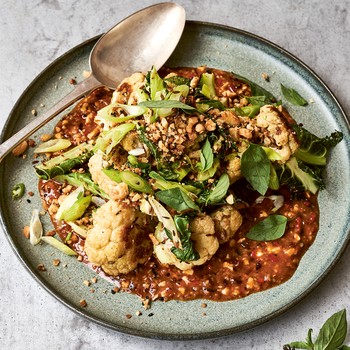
(202, 44)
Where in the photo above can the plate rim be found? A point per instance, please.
(168, 335)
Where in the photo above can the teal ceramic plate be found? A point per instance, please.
(202, 44)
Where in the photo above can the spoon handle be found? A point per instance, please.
(80, 90)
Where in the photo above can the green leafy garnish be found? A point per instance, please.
(313, 150)
(255, 167)
(167, 104)
(269, 229)
(204, 105)
(257, 90)
(331, 336)
(206, 156)
(65, 162)
(18, 191)
(187, 253)
(82, 179)
(293, 96)
(217, 194)
(176, 199)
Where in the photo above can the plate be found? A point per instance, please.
(202, 44)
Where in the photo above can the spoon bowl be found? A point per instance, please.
(145, 39)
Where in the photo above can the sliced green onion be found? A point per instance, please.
(69, 201)
(113, 174)
(59, 245)
(53, 146)
(166, 219)
(107, 141)
(136, 182)
(133, 111)
(81, 231)
(35, 228)
(77, 210)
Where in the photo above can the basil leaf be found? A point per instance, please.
(187, 253)
(256, 89)
(211, 103)
(344, 347)
(176, 199)
(293, 96)
(300, 345)
(206, 156)
(166, 104)
(269, 229)
(333, 332)
(220, 190)
(255, 167)
(258, 100)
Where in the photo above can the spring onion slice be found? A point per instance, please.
(166, 219)
(59, 245)
(69, 201)
(35, 228)
(81, 231)
(53, 146)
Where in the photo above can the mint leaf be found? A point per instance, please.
(269, 229)
(255, 167)
(293, 96)
(333, 332)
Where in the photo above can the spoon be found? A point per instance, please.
(146, 38)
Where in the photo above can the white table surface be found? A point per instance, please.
(33, 33)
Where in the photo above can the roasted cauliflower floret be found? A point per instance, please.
(205, 244)
(119, 240)
(227, 220)
(233, 169)
(117, 191)
(126, 93)
(276, 132)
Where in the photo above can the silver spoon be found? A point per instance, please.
(146, 38)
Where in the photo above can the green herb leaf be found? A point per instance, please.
(220, 190)
(167, 104)
(255, 167)
(187, 253)
(300, 345)
(332, 333)
(206, 104)
(176, 199)
(206, 156)
(293, 96)
(257, 90)
(269, 229)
